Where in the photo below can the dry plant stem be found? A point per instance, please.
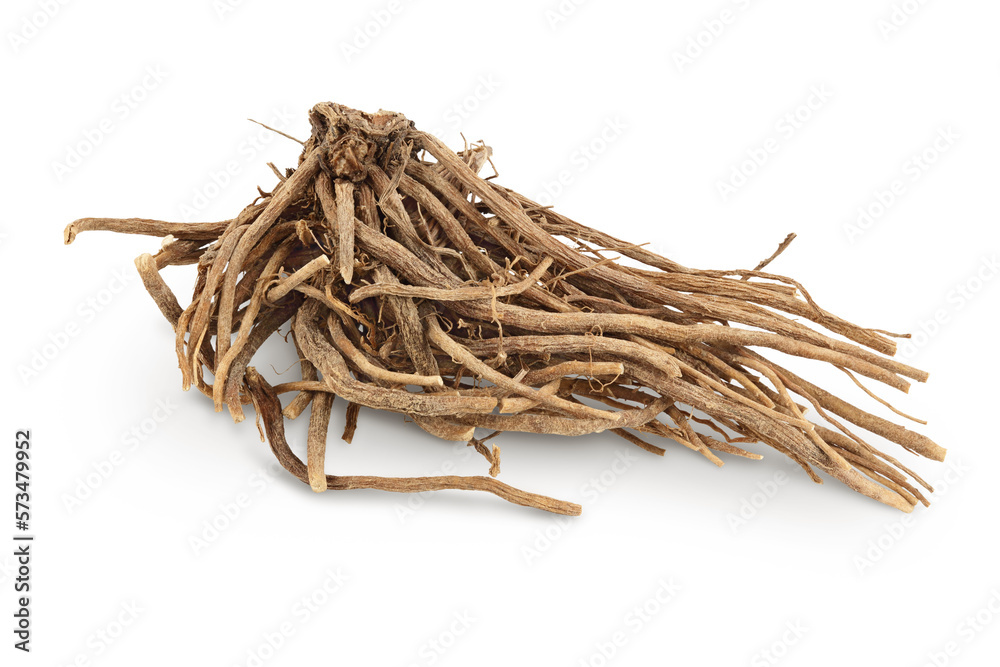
(160, 292)
(404, 312)
(345, 229)
(269, 408)
(461, 355)
(514, 405)
(910, 440)
(289, 283)
(781, 248)
(196, 317)
(319, 422)
(865, 389)
(225, 387)
(458, 294)
(182, 230)
(413, 285)
(352, 354)
(350, 422)
(585, 368)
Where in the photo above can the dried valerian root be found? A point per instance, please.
(413, 285)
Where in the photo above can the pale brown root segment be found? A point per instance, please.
(415, 286)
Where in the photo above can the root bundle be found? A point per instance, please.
(413, 285)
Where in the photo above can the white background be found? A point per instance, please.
(466, 578)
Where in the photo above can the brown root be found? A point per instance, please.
(413, 285)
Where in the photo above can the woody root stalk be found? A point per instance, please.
(411, 284)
